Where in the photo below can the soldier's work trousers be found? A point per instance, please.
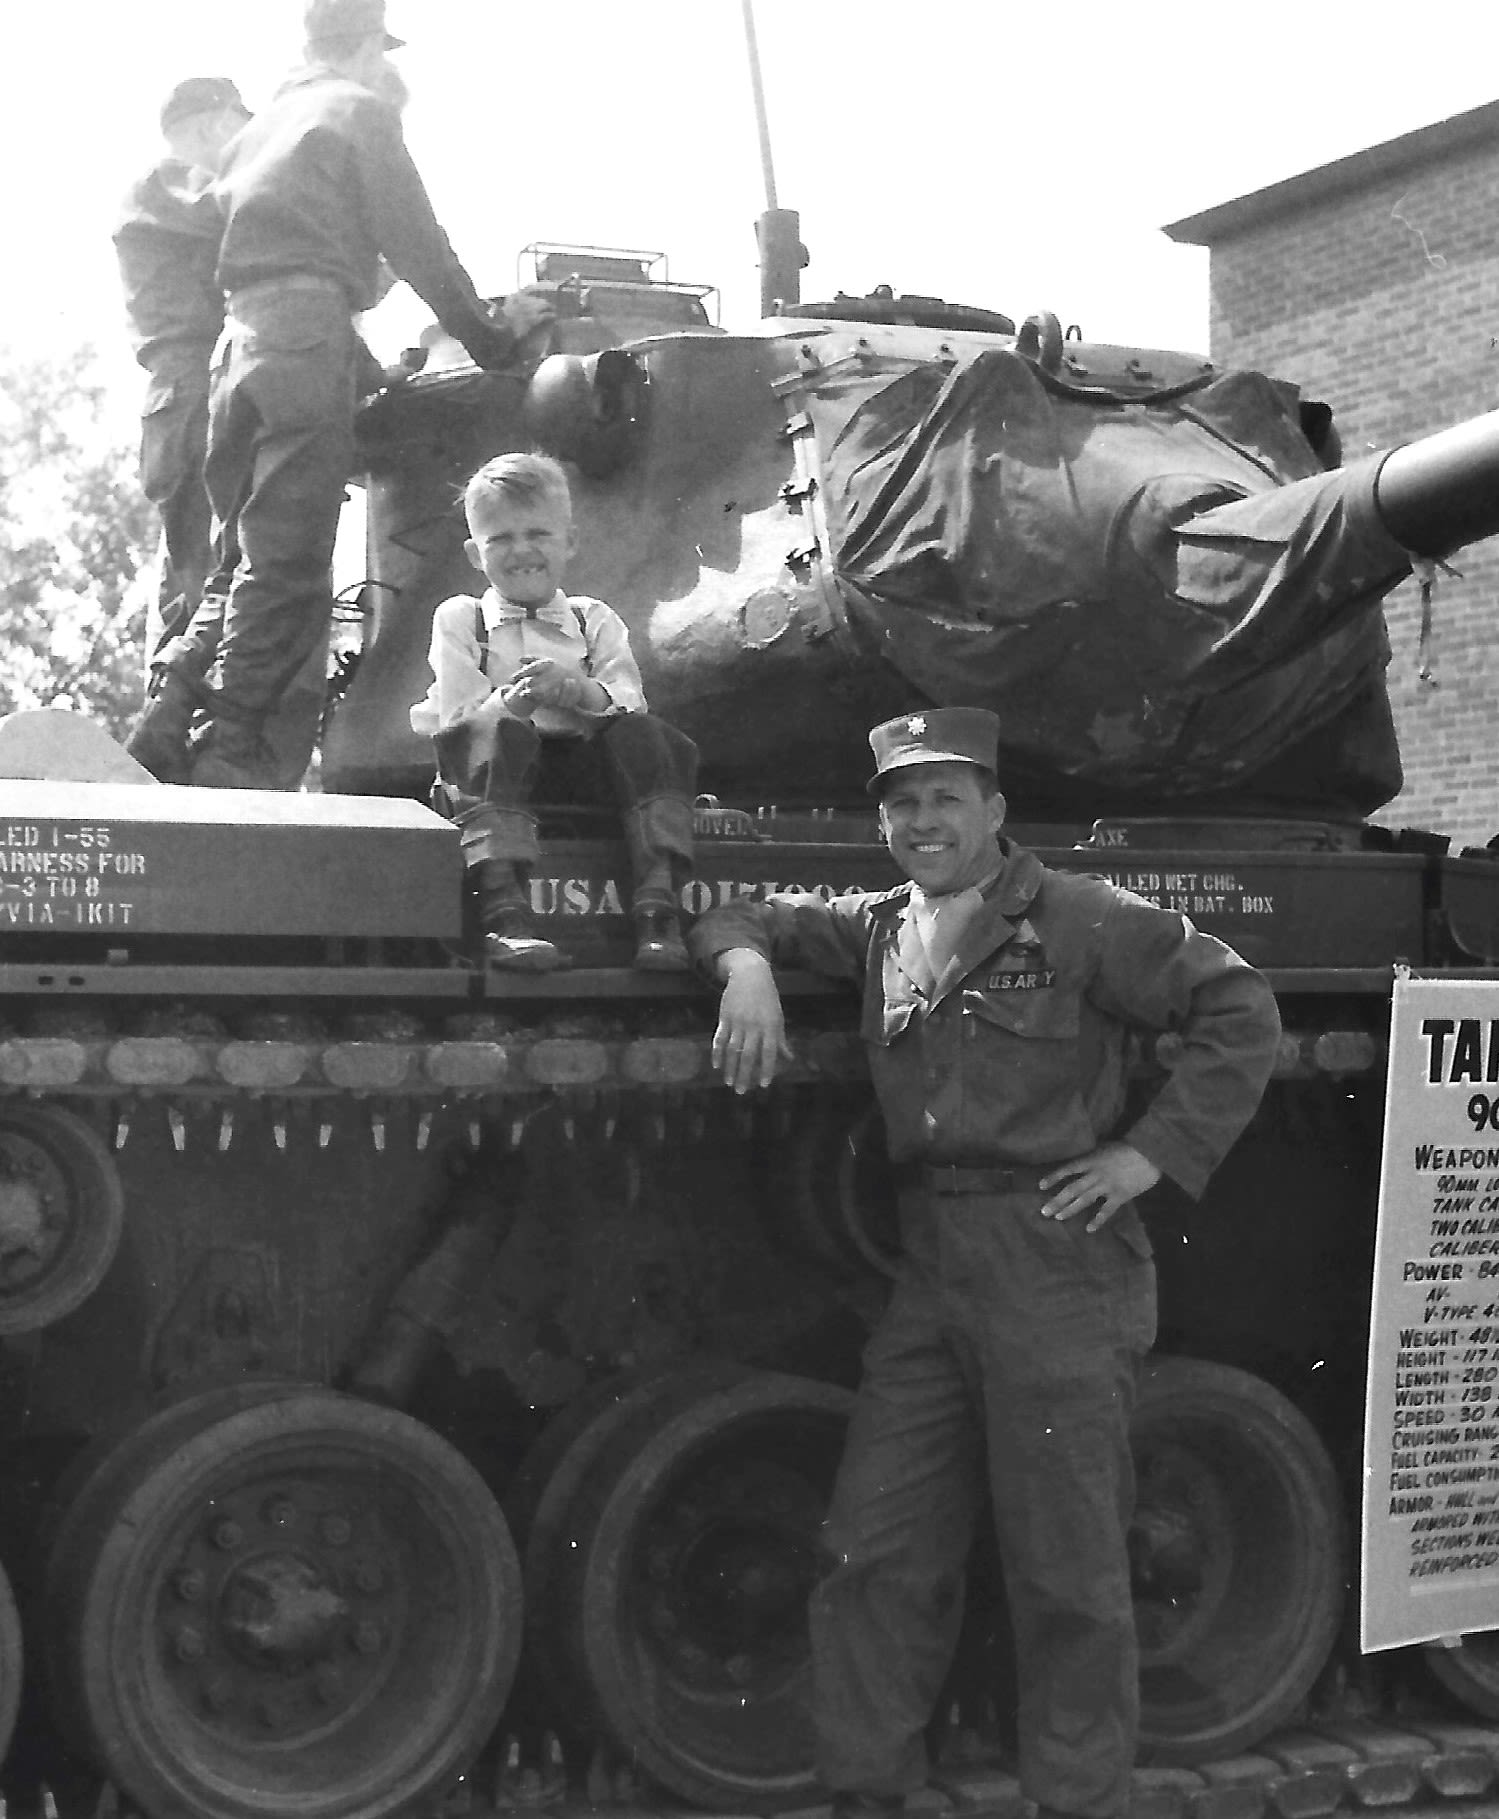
(1014, 1343)
(174, 443)
(648, 768)
(280, 449)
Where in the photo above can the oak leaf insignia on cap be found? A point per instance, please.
(935, 735)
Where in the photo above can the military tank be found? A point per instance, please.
(421, 1383)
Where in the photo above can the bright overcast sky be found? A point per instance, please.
(1017, 156)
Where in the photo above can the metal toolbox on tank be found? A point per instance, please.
(124, 860)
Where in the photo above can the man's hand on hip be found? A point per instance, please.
(749, 1044)
(1105, 1179)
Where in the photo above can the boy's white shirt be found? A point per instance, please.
(599, 650)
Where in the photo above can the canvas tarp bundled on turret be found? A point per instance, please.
(1160, 590)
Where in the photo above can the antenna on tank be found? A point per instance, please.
(778, 230)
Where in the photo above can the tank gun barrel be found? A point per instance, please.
(1442, 492)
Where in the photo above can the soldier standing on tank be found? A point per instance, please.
(167, 243)
(999, 996)
(313, 194)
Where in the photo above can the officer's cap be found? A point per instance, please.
(199, 95)
(934, 735)
(347, 20)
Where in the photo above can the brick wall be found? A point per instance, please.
(1384, 302)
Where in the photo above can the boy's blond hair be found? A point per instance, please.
(520, 478)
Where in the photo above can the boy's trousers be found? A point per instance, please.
(640, 762)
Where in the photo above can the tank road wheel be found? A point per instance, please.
(62, 1210)
(541, 1503)
(830, 1194)
(311, 1605)
(1239, 1556)
(684, 1601)
(1470, 1672)
(84, 1506)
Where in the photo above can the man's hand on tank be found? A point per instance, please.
(1105, 1179)
(749, 1044)
(524, 311)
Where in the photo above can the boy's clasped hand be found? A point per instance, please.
(541, 682)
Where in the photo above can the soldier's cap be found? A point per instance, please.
(934, 735)
(199, 95)
(347, 19)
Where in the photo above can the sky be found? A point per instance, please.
(1016, 157)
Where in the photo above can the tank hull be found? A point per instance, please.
(522, 1216)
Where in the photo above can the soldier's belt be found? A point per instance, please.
(954, 1178)
(287, 281)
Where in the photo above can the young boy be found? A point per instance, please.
(536, 691)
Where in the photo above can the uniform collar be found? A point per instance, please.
(1014, 890)
(1006, 903)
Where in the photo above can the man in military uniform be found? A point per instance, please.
(998, 1001)
(167, 243)
(313, 193)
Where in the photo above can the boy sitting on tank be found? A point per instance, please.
(537, 695)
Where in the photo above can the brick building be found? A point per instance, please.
(1373, 284)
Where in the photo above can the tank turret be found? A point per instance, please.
(1153, 569)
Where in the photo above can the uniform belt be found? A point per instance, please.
(954, 1178)
(290, 281)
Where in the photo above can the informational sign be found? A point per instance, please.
(1431, 1435)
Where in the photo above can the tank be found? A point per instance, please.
(421, 1384)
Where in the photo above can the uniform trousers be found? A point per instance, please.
(280, 450)
(174, 442)
(1008, 1360)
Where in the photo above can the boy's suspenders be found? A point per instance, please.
(483, 642)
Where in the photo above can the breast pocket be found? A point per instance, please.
(1045, 1014)
(1022, 1070)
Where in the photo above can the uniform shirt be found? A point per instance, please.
(167, 243)
(320, 182)
(464, 675)
(1018, 1052)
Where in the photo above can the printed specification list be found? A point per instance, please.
(67, 876)
(1431, 1441)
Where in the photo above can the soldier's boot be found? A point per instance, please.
(159, 738)
(233, 755)
(658, 836)
(499, 849)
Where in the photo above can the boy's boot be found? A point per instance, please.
(658, 835)
(510, 936)
(158, 740)
(234, 756)
(497, 844)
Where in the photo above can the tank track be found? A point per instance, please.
(463, 1063)
(1411, 1762)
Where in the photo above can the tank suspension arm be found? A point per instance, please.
(432, 1296)
(1438, 494)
